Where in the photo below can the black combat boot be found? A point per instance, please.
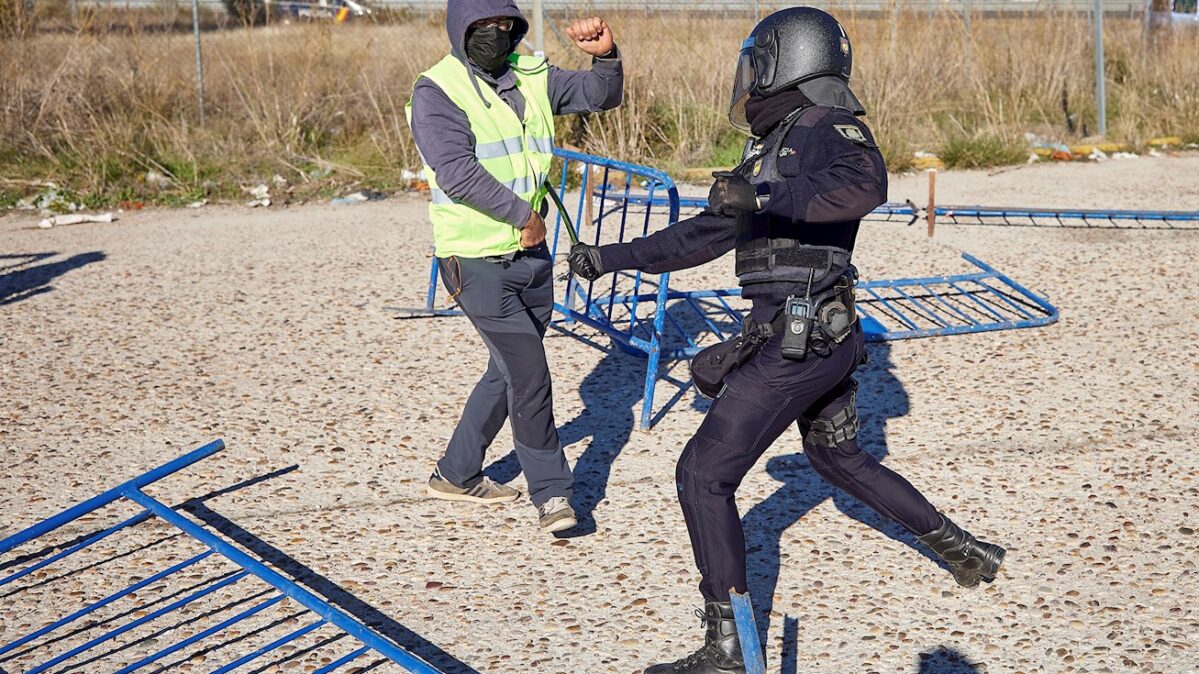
(721, 652)
(970, 559)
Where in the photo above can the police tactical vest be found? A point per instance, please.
(517, 152)
(767, 249)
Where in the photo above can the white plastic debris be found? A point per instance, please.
(360, 196)
(412, 176)
(157, 179)
(50, 201)
(279, 181)
(198, 204)
(1097, 155)
(262, 196)
(355, 198)
(76, 219)
(1124, 155)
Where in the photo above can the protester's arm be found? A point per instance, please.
(602, 87)
(447, 145)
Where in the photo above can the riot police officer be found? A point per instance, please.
(791, 210)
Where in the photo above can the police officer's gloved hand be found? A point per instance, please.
(585, 261)
(732, 195)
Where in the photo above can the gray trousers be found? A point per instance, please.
(510, 303)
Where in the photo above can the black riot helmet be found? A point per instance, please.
(798, 48)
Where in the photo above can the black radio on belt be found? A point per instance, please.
(798, 319)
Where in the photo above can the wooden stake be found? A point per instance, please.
(932, 202)
(585, 195)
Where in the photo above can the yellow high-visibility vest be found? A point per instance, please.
(517, 152)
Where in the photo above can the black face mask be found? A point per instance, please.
(489, 47)
(764, 113)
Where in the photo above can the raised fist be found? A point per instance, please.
(592, 36)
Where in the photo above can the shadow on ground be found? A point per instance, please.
(946, 661)
(19, 281)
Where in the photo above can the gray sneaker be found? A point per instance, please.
(556, 515)
(485, 491)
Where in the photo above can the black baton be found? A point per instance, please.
(570, 227)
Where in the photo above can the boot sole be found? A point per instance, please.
(993, 568)
(560, 525)
(994, 560)
(466, 498)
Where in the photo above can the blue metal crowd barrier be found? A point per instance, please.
(630, 201)
(280, 589)
(616, 201)
(1066, 218)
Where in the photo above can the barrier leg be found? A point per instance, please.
(655, 353)
(747, 632)
(432, 298)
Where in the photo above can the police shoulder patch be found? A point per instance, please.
(853, 134)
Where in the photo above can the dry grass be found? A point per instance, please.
(98, 108)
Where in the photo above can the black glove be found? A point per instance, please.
(585, 261)
(732, 195)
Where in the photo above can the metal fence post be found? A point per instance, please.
(538, 29)
(1100, 84)
(199, 58)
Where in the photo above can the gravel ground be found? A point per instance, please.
(124, 345)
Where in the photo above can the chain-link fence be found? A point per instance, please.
(992, 6)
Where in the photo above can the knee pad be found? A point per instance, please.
(840, 426)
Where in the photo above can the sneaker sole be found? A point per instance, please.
(466, 498)
(560, 525)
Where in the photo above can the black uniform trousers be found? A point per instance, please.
(761, 399)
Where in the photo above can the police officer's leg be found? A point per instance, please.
(743, 421)
(760, 401)
(830, 441)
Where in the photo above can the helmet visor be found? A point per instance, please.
(744, 81)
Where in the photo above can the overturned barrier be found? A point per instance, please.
(247, 579)
(1065, 218)
(611, 201)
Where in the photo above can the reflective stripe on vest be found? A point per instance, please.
(520, 186)
(516, 152)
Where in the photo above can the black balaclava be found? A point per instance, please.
(489, 47)
(764, 112)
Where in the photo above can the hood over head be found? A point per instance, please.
(460, 14)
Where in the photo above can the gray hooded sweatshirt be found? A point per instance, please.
(443, 134)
